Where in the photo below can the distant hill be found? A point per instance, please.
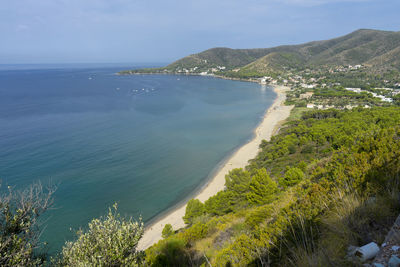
(369, 47)
(221, 56)
(372, 48)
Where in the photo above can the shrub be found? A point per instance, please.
(308, 149)
(237, 181)
(169, 252)
(222, 203)
(262, 188)
(195, 232)
(110, 241)
(194, 209)
(292, 177)
(167, 231)
(19, 229)
(258, 215)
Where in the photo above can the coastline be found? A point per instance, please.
(276, 113)
(195, 74)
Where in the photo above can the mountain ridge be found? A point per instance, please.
(372, 48)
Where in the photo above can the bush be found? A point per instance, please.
(237, 181)
(307, 149)
(222, 203)
(19, 229)
(292, 177)
(258, 215)
(262, 188)
(194, 209)
(110, 241)
(167, 231)
(169, 252)
(292, 149)
(195, 232)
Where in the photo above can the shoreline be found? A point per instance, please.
(275, 114)
(252, 80)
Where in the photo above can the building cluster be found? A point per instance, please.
(383, 98)
(293, 80)
(345, 68)
(196, 70)
(315, 106)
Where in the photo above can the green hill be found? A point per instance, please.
(369, 47)
(377, 50)
(220, 56)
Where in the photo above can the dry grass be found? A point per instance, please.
(352, 220)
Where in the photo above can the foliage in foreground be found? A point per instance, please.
(19, 227)
(109, 241)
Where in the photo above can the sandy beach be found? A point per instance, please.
(274, 115)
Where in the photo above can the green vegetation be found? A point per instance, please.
(109, 241)
(262, 189)
(194, 208)
(292, 177)
(19, 227)
(167, 231)
(326, 181)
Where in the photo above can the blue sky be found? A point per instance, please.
(138, 31)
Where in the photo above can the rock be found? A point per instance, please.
(392, 239)
(367, 252)
(395, 248)
(378, 265)
(394, 261)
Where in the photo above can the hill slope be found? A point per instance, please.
(370, 47)
(378, 50)
(220, 56)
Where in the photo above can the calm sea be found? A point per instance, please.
(144, 141)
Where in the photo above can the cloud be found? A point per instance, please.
(22, 27)
(158, 29)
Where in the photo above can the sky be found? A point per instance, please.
(155, 31)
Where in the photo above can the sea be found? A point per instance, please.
(146, 142)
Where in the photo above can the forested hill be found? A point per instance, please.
(328, 181)
(376, 49)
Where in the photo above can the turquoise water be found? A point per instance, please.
(144, 141)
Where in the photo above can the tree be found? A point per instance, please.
(19, 227)
(222, 203)
(167, 231)
(262, 188)
(109, 241)
(237, 180)
(194, 208)
(292, 177)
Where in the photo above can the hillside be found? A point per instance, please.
(370, 47)
(378, 50)
(326, 182)
(220, 56)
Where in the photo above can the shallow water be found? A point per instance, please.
(144, 141)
